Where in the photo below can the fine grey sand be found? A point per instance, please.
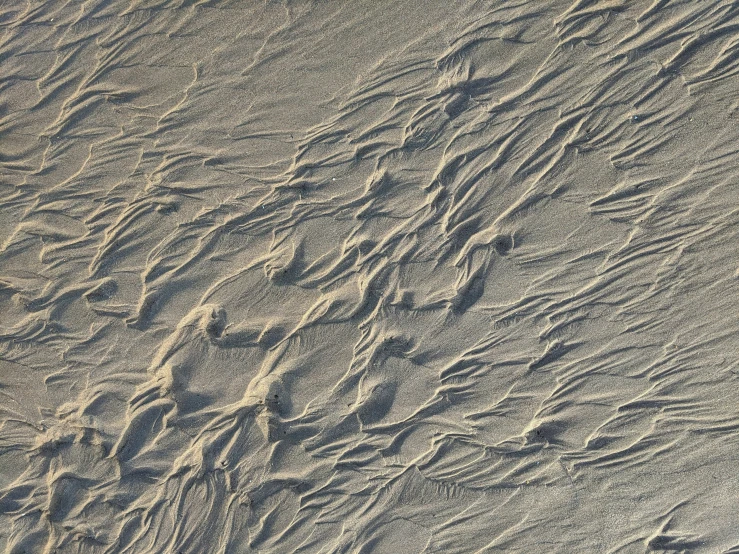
(332, 276)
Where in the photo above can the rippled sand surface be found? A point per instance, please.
(369, 276)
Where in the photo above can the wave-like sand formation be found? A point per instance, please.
(358, 276)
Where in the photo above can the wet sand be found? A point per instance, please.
(369, 277)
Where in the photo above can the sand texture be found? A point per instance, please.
(369, 276)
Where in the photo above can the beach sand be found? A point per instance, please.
(369, 276)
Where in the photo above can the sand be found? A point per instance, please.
(369, 276)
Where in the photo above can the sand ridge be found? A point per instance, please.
(303, 276)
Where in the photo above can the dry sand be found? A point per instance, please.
(369, 276)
